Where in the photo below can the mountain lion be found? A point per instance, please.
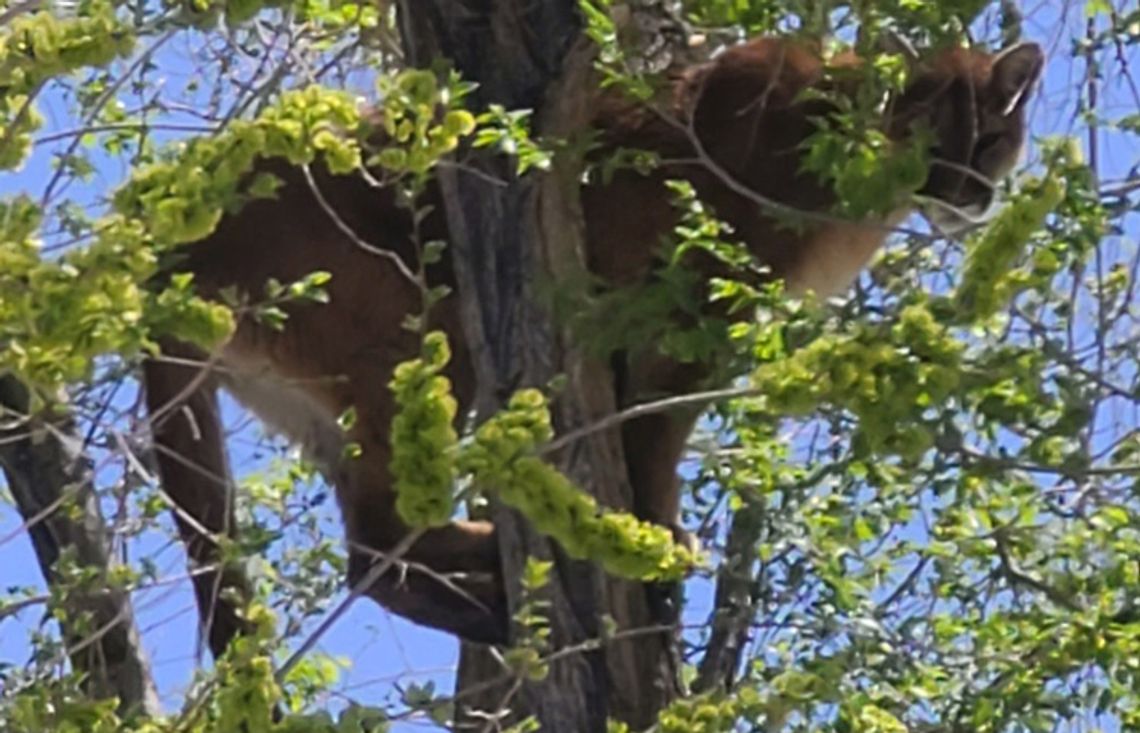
(749, 117)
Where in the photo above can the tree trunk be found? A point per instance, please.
(51, 481)
(530, 54)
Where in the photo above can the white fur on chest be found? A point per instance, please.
(834, 256)
(285, 408)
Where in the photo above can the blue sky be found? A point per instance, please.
(382, 649)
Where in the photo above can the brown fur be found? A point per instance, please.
(744, 109)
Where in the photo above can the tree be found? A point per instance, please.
(919, 505)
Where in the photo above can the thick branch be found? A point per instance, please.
(735, 601)
(504, 239)
(51, 482)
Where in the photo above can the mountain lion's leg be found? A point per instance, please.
(654, 445)
(194, 471)
(448, 579)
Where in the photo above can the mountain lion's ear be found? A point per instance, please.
(1015, 70)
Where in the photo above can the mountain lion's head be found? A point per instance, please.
(748, 109)
(974, 103)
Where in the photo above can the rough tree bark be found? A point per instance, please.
(505, 238)
(738, 590)
(51, 481)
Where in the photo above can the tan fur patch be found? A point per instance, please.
(835, 256)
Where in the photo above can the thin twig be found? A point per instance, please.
(97, 107)
(649, 408)
(356, 591)
(125, 126)
(1017, 576)
(351, 234)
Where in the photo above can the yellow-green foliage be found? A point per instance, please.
(889, 374)
(502, 457)
(418, 135)
(527, 656)
(94, 297)
(988, 279)
(327, 15)
(205, 13)
(884, 375)
(183, 198)
(20, 120)
(709, 713)
(92, 302)
(31, 713)
(176, 312)
(57, 316)
(423, 437)
(241, 697)
(248, 690)
(792, 691)
(37, 46)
